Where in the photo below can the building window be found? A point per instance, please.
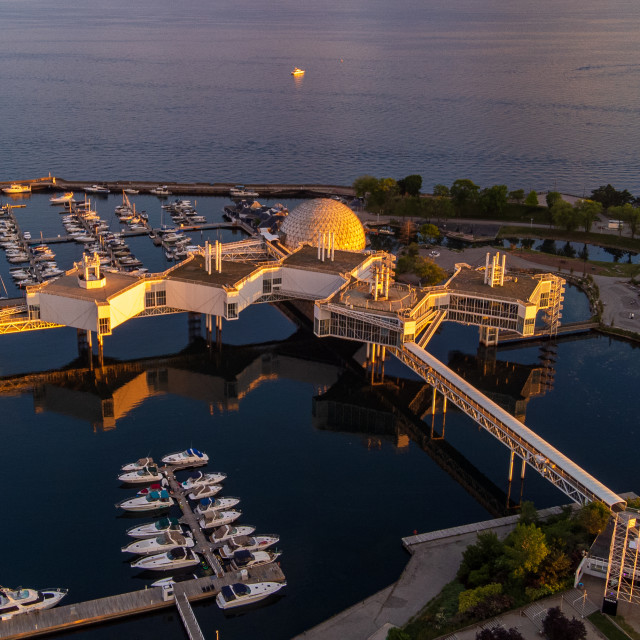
(231, 311)
(277, 283)
(266, 286)
(105, 325)
(161, 298)
(34, 312)
(150, 299)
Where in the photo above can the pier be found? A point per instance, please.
(181, 594)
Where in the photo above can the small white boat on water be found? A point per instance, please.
(205, 491)
(226, 531)
(156, 486)
(244, 559)
(153, 529)
(249, 543)
(240, 191)
(186, 458)
(144, 475)
(138, 464)
(200, 479)
(240, 593)
(219, 518)
(159, 544)
(16, 601)
(171, 580)
(178, 558)
(162, 191)
(297, 72)
(209, 505)
(132, 192)
(97, 188)
(17, 188)
(155, 500)
(61, 199)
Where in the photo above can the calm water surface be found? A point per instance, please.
(542, 95)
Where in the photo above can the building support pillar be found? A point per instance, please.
(511, 457)
(100, 351)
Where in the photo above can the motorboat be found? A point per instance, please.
(226, 531)
(144, 475)
(240, 191)
(17, 188)
(243, 559)
(97, 188)
(65, 197)
(202, 478)
(177, 558)
(156, 486)
(153, 529)
(159, 544)
(138, 464)
(26, 235)
(132, 192)
(208, 505)
(240, 593)
(16, 601)
(186, 458)
(297, 72)
(152, 502)
(205, 491)
(219, 518)
(249, 543)
(162, 191)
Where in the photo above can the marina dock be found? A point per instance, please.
(181, 594)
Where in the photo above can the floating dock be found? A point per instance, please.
(181, 594)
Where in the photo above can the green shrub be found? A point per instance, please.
(473, 597)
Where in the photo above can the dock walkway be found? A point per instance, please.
(186, 614)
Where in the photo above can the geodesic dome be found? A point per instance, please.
(313, 218)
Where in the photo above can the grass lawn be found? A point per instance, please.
(604, 624)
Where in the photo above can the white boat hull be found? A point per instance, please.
(257, 591)
(219, 518)
(162, 562)
(218, 504)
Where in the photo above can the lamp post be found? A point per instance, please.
(531, 224)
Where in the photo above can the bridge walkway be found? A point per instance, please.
(561, 471)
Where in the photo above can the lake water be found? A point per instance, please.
(542, 96)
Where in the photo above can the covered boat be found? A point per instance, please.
(209, 505)
(152, 529)
(16, 601)
(244, 559)
(226, 531)
(151, 502)
(146, 474)
(218, 518)
(203, 478)
(205, 491)
(175, 559)
(164, 542)
(156, 486)
(249, 543)
(239, 593)
(138, 464)
(186, 458)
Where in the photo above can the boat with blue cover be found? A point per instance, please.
(144, 475)
(209, 505)
(187, 458)
(152, 529)
(151, 502)
(200, 478)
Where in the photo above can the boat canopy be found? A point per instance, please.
(176, 538)
(227, 594)
(195, 452)
(221, 532)
(158, 495)
(179, 553)
(242, 556)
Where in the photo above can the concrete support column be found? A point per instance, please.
(100, 351)
(524, 466)
(511, 456)
(444, 412)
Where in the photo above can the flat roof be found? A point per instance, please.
(307, 258)
(193, 270)
(67, 286)
(515, 287)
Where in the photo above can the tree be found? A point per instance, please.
(410, 185)
(525, 549)
(441, 190)
(532, 199)
(594, 517)
(554, 569)
(552, 198)
(430, 231)
(364, 185)
(407, 232)
(493, 199)
(564, 215)
(629, 214)
(428, 271)
(382, 195)
(608, 197)
(499, 633)
(528, 513)
(588, 211)
(464, 193)
(517, 195)
(556, 626)
(480, 560)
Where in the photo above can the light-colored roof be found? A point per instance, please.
(309, 221)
